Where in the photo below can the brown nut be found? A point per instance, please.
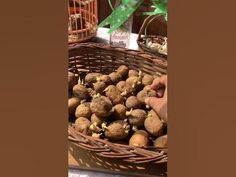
(101, 106)
(132, 102)
(72, 80)
(132, 73)
(91, 92)
(114, 94)
(97, 120)
(139, 139)
(83, 110)
(135, 82)
(119, 111)
(91, 78)
(153, 124)
(115, 77)
(99, 87)
(125, 89)
(161, 142)
(145, 93)
(123, 71)
(147, 79)
(82, 125)
(81, 92)
(117, 130)
(147, 87)
(104, 78)
(136, 117)
(72, 104)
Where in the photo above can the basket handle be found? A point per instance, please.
(145, 24)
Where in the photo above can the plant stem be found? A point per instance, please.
(109, 1)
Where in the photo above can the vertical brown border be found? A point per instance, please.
(33, 111)
(202, 88)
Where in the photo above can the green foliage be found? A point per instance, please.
(127, 8)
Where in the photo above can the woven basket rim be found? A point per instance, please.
(161, 60)
(107, 149)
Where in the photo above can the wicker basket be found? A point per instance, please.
(143, 37)
(82, 20)
(93, 57)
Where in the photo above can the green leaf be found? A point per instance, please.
(159, 9)
(127, 8)
(125, 2)
(121, 14)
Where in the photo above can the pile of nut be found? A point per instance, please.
(159, 45)
(113, 107)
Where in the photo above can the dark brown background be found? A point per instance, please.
(33, 91)
(33, 87)
(201, 96)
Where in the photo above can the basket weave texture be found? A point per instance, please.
(143, 37)
(82, 20)
(93, 57)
